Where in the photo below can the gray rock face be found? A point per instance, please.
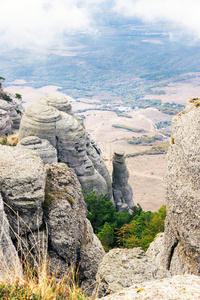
(71, 236)
(182, 226)
(43, 148)
(5, 123)
(10, 264)
(13, 107)
(122, 268)
(68, 136)
(177, 287)
(156, 250)
(122, 191)
(95, 155)
(47, 214)
(60, 102)
(22, 183)
(92, 180)
(40, 120)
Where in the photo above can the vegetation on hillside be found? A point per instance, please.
(158, 148)
(120, 229)
(145, 140)
(128, 128)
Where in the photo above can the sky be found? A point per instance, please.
(49, 23)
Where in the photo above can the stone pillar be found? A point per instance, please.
(122, 191)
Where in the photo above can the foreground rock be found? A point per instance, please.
(182, 226)
(47, 214)
(122, 268)
(156, 250)
(22, 184)
(70, 234)
(175, 288)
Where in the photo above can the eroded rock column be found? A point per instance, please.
(122, 191)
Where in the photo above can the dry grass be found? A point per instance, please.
(10, 140)
(37, 282)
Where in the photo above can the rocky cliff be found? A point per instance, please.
(47, 213)
(182, 227)
(11, 111)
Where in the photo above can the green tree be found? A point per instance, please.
(142, 230)
(100, 210)
(18, 96)
(1, 80)
(106, 236)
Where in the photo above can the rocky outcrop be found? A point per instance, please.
(182, 226)
(68, 136)
(177, 287)
(22, 184)
(43, 148)
(122, 268)
(122, 191)
(95, 155)
(47, 214)
(60, 102)
(13, 107)
(156, 250)
(71, 237)
(5, 123)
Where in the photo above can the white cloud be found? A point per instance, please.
(43, 23)
(47, 23)
(181, 13)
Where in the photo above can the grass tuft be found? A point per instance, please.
(38, 282)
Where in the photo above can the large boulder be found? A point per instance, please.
(122, 268)
(47, 215)
(156, 250)
(182, 226)
(22, 184)
(177, 287)
(71, 236)
(122, 190)
(43, 148)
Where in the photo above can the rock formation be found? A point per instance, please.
(22, 183)
(5, 123)
(60, 102)
(66, 133)
(46, 210)
(14, 109)
(182, 226)
(177, 287)
(156, 250)
(122, 191)
(43, 148)
(122, 268)
(71, 237)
